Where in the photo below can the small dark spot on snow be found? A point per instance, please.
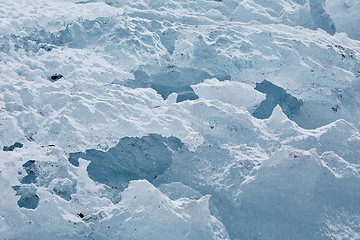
(81, 215)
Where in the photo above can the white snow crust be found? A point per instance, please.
(207, 119)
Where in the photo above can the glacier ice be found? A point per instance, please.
(179, 119)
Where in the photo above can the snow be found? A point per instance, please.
(179, 119)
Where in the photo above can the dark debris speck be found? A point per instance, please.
(56, 77)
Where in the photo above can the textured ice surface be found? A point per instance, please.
(179, 119)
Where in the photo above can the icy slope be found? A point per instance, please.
(179, 119)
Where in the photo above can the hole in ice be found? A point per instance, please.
(55, 77)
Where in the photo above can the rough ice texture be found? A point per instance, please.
(179, 119)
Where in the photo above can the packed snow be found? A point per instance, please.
(208, 119)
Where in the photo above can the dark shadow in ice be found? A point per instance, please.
(28, 198)
(276, 95)
(52, 175)
(168, 38)
(173, 79)
(132, 158)
(74, 158)
(27, 192)
(31, 171)
(12, 147)
(184, 92)
(321, 19)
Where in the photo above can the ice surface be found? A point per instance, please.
(179, 119)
